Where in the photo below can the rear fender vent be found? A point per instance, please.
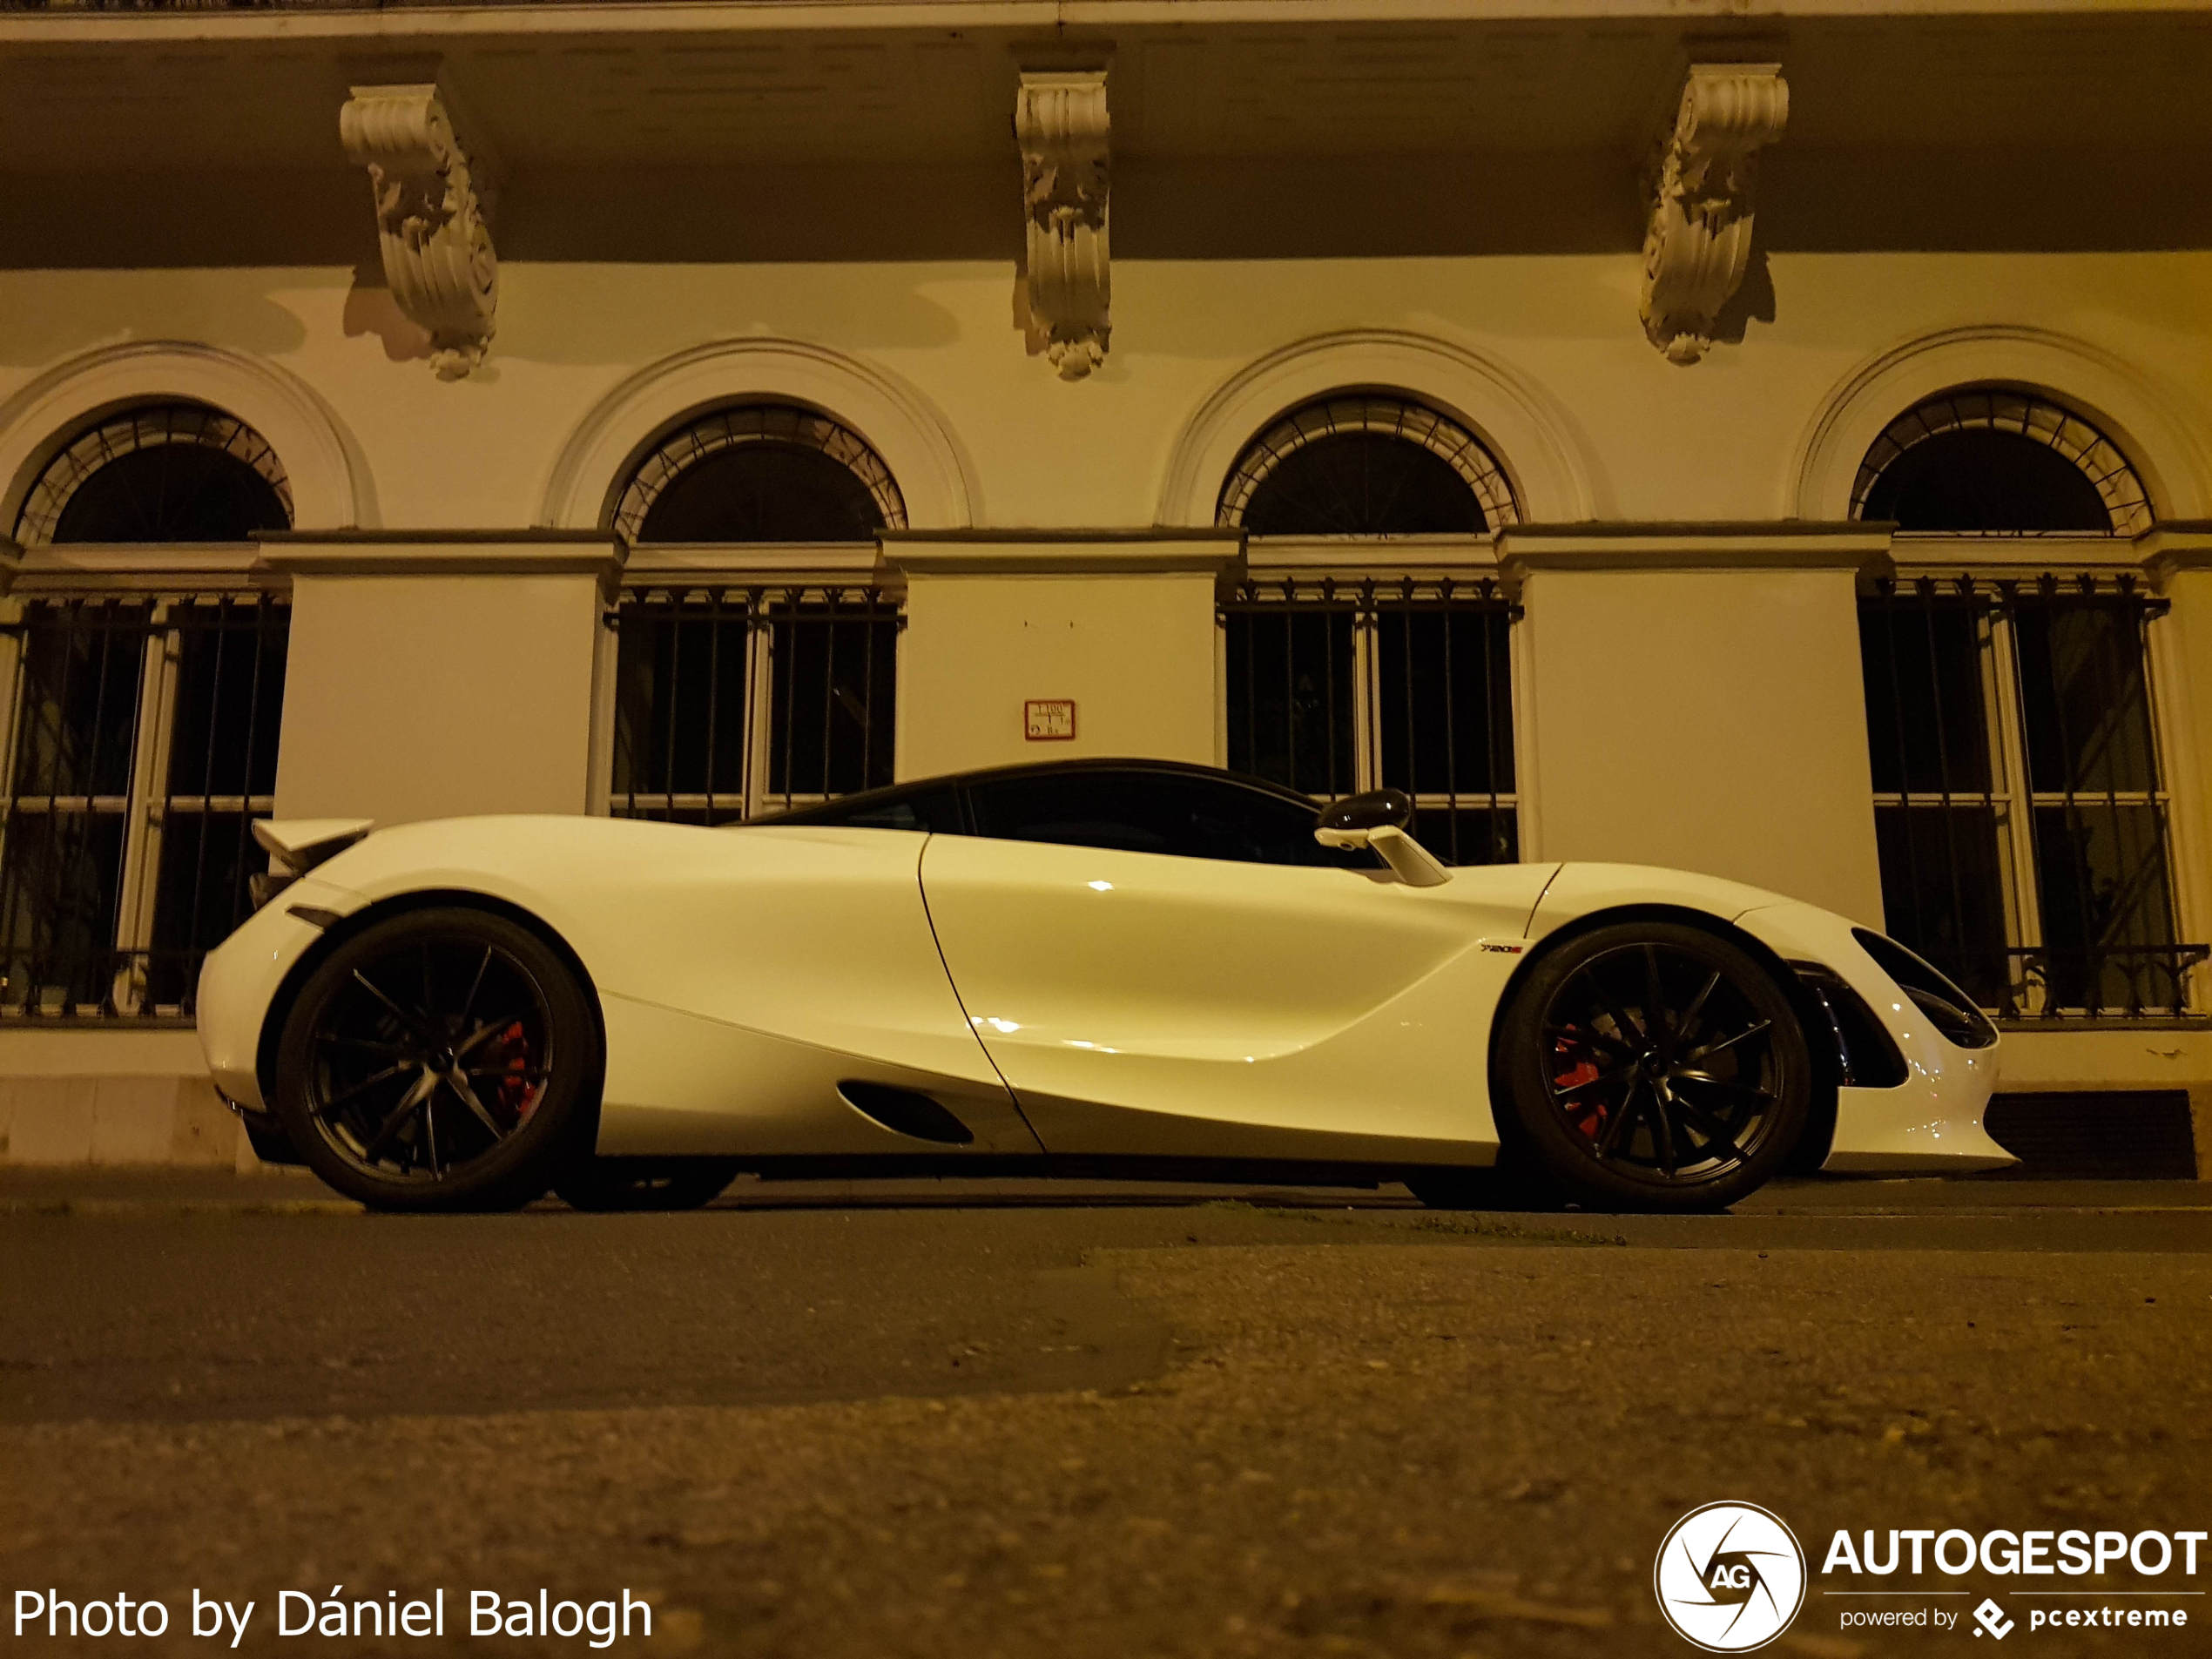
(904, 1112)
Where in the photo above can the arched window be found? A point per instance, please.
(1402, 684)
(145, 723)
(1367, 464)
(760, 472)
(162, 472)
(733, 698)
(1987, 461)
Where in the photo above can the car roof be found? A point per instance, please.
(865, 799)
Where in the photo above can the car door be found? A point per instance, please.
(1165, 962)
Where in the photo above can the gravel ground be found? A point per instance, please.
(1469, 1443)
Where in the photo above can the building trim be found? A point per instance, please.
(2138, 414)
(937, 16)
(1528, 434)
(1722, 546)
(328, 476)
(934, 476)
(446, 553)
(1139, 554)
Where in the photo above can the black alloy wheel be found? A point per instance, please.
(645, 1183)
(440, 1060)
(1652, 1065)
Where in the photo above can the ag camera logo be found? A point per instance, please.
(1729, 1577)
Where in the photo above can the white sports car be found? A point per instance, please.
(1094, 968)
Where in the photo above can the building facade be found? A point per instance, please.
(1774, 446)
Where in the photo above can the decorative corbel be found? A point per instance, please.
(1061, 122)
(438, 257)
(1699, 239)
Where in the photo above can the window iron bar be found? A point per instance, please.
(2020, 818)
(1322, 669)
(787, 691)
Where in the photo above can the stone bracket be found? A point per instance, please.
(438, 257)
(1061, 121)
(1699, 238)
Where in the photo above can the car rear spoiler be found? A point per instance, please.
(296, 846)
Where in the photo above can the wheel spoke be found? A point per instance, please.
(1623, 1120)
(1657, 1027)
(463, 1049)
(1587, 1035)
(364, 1044)
(1631, 1034)
(1716, 1134)
(475, 985)
(1712, 1049)
(1706, 1080)
(457, 1081)
(1688, 1025)
(1663, 1133)
(412, 1022)
(1605, 1079)
(416, 1097)
(360, 1088)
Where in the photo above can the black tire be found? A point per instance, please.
(645, 1183)
(1651, 1066)
(440, 1060)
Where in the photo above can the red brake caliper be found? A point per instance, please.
(1571, 1067)
(515, 1091)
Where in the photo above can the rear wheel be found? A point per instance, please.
(645, 1183)
(1652, 1065)
(441, 1059)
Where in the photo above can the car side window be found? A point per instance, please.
(936, 810)
(1153, 812)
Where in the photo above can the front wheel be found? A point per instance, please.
(441, 1059)
(1652, 1065)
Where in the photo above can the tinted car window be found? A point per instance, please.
(1153, 812)
(916, 809)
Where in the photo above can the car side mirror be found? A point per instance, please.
(1378, 819)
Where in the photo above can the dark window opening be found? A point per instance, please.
(170, 472)
(1367, 464)
(2020, 818)
(727, 705)
(1363, 483)
(111, 897)
(1986, 481)
(763, 492)
(760, 472)
(1990, 461)
(1335, 688)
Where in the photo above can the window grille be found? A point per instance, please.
(731, 702)
(1367, 464)
(2020, 812)
(143, 745)
(1336, 687)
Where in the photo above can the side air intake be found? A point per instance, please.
(904, 1112)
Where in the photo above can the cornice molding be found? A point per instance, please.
(439, 261)
(1723, 546)
(1138, 553)
(1061, 121)
(1698, 240)
(601, 554)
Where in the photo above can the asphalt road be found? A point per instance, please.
(1013, 1420)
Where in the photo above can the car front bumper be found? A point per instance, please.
(1932, 1122)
